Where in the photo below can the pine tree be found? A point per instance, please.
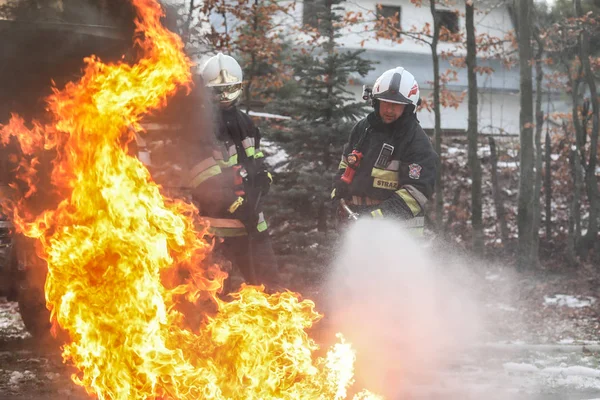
(323, 113)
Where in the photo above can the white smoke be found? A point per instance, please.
(408, 315)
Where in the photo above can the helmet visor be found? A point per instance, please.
(227, 92)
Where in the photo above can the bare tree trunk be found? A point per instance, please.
(525, 256)
(548, 185)
(187, 28)
(439, 196)
(578, 158)
(474, 164)
(591, 237)
(574, 208)
(496, 193)
(539, 125)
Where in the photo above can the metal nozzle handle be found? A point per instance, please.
(351, 214)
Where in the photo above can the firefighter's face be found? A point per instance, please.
(389, 112)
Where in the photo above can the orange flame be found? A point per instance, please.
(114, 235)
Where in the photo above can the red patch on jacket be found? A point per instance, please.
(414, 171)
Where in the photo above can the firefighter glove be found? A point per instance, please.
(342, 190)
(262, 181)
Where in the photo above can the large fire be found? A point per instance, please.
(113, 240)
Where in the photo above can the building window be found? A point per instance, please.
(448, 19)
(311, 11)
(391, 13)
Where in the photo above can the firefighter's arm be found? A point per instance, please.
(263, 178)
(416, 182)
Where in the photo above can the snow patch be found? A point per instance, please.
(52, 375)
(492, 277)
(276, 157)
(507, 164)
(563, 300)
(11, 324)
(267, 115)
(562, 370)
(454, 150)
(17, 377)
(512, 367)
(504, 307)
(567, 341)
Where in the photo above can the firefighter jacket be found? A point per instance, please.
(397, 173)
(229, 181)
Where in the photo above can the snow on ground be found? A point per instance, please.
(16, 377)
(563, 300)
(11, 324)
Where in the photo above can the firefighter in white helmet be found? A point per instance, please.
(230, 181)
(388, 166)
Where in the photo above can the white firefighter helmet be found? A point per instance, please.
(398, 86)
(224, 76)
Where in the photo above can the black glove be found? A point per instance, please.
(342, 190)
(262, 182)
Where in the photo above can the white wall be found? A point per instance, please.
(495, 21)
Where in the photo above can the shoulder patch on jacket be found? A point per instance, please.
(414, 171)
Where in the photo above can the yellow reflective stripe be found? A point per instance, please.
(224, 227)
(377, 213)
(233, 160)
(410, 201)
(333, 193)
(416, 232)
(262, 224)
(227, 232)
(384, 174)
(343, 165)
(249, 151)
(204, 175)
(236, 204)
(270, 177)
(259, 155)
(202, 166)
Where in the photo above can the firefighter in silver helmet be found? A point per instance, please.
(388, 165)
(230, 181)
